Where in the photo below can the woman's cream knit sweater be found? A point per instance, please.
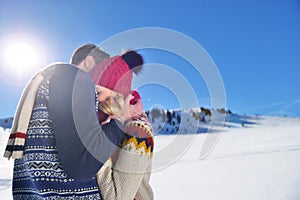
(126, 175)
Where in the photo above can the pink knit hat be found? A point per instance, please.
(116, 72)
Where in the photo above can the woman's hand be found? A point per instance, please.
(128, 111)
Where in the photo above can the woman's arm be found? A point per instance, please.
(127, 176)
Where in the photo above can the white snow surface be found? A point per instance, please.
(259, 161)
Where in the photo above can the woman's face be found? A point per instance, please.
(103, 93)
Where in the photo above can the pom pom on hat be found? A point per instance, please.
(116, 73)
(134, 61)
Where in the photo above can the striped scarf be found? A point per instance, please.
(16, 143)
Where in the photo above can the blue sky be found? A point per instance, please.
(255, 45)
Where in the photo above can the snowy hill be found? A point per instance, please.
(195, 120)
(184, 121)
(254, 158)
(261, 162)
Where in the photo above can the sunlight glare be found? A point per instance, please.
(21, 55)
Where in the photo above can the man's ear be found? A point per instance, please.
(89, 62)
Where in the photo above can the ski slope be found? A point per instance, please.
(258, 161)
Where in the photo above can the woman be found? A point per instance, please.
(126, 175)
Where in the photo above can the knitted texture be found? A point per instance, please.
(127, 177)
(117, 76)
(116, 72)
(38, 174)
(16, 141)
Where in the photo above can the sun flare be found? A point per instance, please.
(21, 54)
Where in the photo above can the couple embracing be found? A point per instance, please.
(79, 131)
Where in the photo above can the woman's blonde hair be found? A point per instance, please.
(113, 105)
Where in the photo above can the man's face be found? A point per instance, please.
(103, 93)
(87, 64)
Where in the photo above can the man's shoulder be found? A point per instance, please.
(65, 71)
(53, 68)
(61, 66)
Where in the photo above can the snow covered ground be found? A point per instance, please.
(259, 161)
(6, 168)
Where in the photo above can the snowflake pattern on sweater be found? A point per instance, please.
(39, 174)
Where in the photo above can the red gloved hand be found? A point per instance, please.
(136, 97)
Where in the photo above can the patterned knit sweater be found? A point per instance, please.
(58, 163)
(39, 173)
(126, 175)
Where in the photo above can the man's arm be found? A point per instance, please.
(80, 140)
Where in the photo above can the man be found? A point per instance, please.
(56, 140)
(87, 56)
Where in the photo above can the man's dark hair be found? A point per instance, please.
(88, 49)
